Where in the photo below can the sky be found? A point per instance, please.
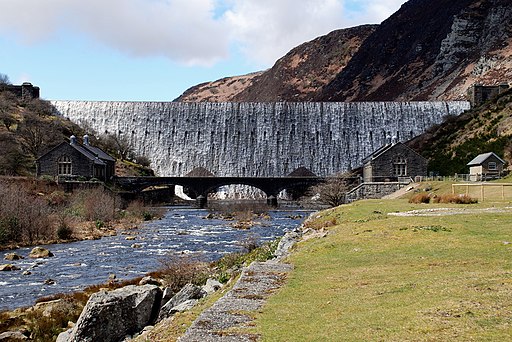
(153, 50)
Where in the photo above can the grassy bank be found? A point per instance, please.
(378, 277)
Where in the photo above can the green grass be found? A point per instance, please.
(384, 278)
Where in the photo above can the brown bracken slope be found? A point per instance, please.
(430, 50)
(427, 50)
(295, 77)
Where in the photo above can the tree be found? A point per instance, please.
(334, 189)
(4, 79)
(118, 145)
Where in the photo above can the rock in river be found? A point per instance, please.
(9, 267)
(40, 252)
(13, 257)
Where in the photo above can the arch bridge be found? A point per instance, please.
(202, 186)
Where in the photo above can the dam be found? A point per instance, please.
(257, 139)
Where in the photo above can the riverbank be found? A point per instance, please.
(377, 276)
(435, 272)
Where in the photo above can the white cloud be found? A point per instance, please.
(267, 29)
(194, 32)
(182, 30)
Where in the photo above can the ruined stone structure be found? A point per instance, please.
(478, 93)
(25, 91)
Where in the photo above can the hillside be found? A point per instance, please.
(295, 77)
(451, 145)
(29, 128)
(427, 50)
(430, 50)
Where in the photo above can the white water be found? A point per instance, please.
(258, 139)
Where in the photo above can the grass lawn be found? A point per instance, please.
(386, 278)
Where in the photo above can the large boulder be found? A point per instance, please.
(212, 286)
(188, 292)
(40, 252)
(112, 315)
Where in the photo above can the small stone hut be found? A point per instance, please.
(73, 160)
(393, 161)
(486, 165)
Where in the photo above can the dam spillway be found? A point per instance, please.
(257, 139)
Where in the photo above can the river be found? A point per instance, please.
(79, 264)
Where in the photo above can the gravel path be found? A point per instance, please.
(229, 318)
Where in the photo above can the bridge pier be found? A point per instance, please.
(201, 201)
(272, 201)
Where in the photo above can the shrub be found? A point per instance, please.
(420, 198)
(95, 204)
(454, 198)
(179, 270)
(23, 216)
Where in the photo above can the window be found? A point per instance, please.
(65, 165)
(400, 166)
(492, 166)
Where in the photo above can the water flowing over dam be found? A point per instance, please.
(257, 139)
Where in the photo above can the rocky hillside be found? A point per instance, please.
(451, 145)
(427, 50)
(298, 76)
(29, 128)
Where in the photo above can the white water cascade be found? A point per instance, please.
(258, 139)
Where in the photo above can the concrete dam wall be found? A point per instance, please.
(258, 139)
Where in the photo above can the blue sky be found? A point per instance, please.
(153, 50)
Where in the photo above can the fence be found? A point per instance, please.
(485, 191)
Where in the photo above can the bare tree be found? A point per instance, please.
(120, 146)
(334, 190)
(4, 79)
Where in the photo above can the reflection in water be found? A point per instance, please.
(80, 264)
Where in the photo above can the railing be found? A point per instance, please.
(485, 191)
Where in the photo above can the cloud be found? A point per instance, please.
(193, 32)
(182, 30)
(267, 29)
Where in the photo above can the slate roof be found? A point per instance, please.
(481, 158)
(88, 154)
(386, 148)
(99, 152)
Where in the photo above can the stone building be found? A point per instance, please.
(486, 166)
(478, 94)
(393, 161)
(25, 91)
(73, 160)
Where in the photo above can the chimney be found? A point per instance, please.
(72, 140)
(86, 140)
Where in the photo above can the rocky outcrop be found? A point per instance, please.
(429, 50)
(112, 315)
(12, 336)
(40, 252)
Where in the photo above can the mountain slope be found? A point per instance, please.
(429, 50)
(295, 77)
(452, 144)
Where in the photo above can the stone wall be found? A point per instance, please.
(478, 93)
(373, 190)
(48, 165)
(258, 139)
